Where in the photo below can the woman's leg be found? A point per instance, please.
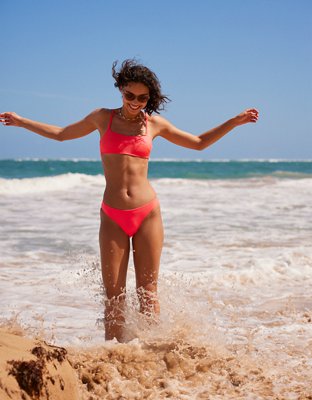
(114, 246)
(147, 246)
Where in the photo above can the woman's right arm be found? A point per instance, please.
(73, 131)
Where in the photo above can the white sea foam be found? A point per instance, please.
(47, 184)
(236, 268)
(68, 181)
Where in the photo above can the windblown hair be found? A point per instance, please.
(132, 71)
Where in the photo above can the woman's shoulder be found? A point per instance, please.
(100, 115)
(101, 112)
(157, 124)
(157, 120)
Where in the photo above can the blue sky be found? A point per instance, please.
(213, 57)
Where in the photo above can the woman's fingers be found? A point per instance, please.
(249, 115)
(252, 114)
(253, 110)
(8, 118)
(4, 118)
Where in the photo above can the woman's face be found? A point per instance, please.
(134, 97)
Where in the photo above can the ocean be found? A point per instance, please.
(195, 169)
(235, 279)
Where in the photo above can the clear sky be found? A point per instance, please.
(213, 57)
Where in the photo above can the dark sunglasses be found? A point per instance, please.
(142, 98)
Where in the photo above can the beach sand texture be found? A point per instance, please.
(31, 369)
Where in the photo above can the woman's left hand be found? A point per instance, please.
(249, 115)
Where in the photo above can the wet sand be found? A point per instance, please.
(32, 369)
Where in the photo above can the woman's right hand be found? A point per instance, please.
(10, 119)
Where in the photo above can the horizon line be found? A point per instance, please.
(79, 159)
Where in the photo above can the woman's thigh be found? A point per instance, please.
(114, 247)
(147, 245)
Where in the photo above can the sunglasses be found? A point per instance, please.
(142, 98)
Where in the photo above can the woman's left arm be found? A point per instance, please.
(185, 139)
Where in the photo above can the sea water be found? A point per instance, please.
(235, 279)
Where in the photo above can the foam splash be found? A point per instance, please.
(206, 343)
(184, 369)
(166, 369)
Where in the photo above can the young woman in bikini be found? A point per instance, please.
(130, 207)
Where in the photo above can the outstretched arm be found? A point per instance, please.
(73, 131)
(185, 139)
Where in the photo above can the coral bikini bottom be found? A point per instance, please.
(130, 220)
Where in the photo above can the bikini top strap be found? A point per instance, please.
(111, 119)
(146, 122)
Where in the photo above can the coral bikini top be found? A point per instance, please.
(117, 143)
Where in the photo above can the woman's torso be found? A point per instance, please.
(127, 185)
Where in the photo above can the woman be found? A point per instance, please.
(130, 207)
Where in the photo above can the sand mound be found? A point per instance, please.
(34, 370)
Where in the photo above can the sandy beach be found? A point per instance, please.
(32, 369)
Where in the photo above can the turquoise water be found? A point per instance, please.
(10, 169)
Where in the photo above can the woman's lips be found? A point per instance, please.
(134, 108)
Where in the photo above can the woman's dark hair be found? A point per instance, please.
(132, 71)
